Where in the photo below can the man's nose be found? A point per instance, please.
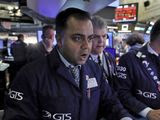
(100, 40)
(86, 44)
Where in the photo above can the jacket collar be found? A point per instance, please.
(150, 50)
(56, 65)
(146, 49)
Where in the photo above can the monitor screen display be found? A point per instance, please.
(1, 44)
(126, 13)
(109, 41)
(39, 35)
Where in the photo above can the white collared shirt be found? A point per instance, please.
(95, 57)
(103, 60)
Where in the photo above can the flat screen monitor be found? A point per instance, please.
(39, 35)
(1, 44)
(126, 13)
(109, 42)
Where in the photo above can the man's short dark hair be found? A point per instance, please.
(45, 28)
(20, 36)
(134, 39)
(155, 32)
(63, 16)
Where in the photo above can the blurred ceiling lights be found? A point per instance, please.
(14, 11)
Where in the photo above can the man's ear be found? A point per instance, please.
(59, 40)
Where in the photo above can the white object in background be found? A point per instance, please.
(3, 66)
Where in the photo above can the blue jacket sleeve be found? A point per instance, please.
(21, 100)
(110, 102)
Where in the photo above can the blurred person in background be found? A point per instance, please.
(18, 49)
(44, 47)
(103, 58)
(134, 41)
(65, 84)
(138, 75)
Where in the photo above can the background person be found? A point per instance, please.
(139, 78)
(105, 59)
(18, 49)
(135, 41)
(44, 47)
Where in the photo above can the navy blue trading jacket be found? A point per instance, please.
(111, 65)
(45, 90)
(136, 87)
(35, 51)
(110, 74)
(18, 50)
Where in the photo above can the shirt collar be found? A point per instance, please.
(150, 50)
(67, 64)
(95, 56)
(47, 49)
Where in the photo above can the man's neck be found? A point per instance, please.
(64, 60)
(48, 47)
(155, 46)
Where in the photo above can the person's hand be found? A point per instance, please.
(154, 115)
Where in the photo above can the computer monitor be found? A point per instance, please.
(109, 42)
(126, 13)
(1, 44)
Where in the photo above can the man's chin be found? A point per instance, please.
(82, 62)
(98, 52)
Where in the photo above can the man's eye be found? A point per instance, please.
(96, 37)
(77, 38)
(90, 39)
(104, 36)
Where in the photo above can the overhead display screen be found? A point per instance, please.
(126, 13)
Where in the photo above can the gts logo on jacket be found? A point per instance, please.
(15, 95)
(147, 94)
(56, 116)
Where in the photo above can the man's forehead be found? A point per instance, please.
(80, 27)
(100, 29)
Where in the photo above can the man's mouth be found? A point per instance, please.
(83, 56)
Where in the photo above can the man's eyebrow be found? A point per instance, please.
(81, 35)
(77, 34)
(100, 35)
(91, 35)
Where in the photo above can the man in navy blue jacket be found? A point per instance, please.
(103, 58)
(47, 89)
(18, 49)
(139, 78)
(42, 48)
